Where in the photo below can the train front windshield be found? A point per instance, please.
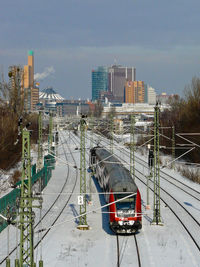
(125, 206)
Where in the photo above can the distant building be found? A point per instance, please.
(49, 98)
(165, 98)
(99, 82)
(134, 92)
(31, 92)
(124, 110)
(151, 99)
(129, 92)
(72, 108)
(105, 96)
(112, 80)
(118, 75)
(49, 94)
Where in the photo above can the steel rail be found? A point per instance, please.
(48, 210)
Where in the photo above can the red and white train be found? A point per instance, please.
(120, 191)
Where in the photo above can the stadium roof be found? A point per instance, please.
(50, 94)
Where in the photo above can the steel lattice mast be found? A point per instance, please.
(40, 152)
(111, 133)
(83, 218)
(173, 146)
(26, 213)
(156, 211)
(50, 130)
(132, 147)
(91, 146)
(92, 129)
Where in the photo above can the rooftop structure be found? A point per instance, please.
(50, 94)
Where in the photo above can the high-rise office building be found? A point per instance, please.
(139, 91)
(99, 82)
(31, 92)
(129, 92)
(118, 75)
(29, 71)
(134, 92)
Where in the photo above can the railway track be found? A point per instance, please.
(127, 243)
(168, 178)
(122, 245)
(51, 206)
(66, 201)
(186, 219)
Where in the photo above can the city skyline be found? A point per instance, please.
(164, 51)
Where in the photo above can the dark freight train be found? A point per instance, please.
(117, 183)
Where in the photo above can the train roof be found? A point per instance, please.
(120, 179)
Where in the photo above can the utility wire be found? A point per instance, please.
(76, 217)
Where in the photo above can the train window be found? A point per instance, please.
(127, 203)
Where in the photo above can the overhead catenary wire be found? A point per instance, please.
(78, 193)
(64, 161)
(86, 213)
(176, 148)
(177, 158)
(179, 135)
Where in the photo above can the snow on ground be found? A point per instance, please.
(166, 232)
(4, 184)
(168, 245)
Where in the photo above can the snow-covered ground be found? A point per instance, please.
(168, 245)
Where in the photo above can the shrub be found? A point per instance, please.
(16, 177)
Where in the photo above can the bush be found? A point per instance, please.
(16, 177)
(191, 174)
(184, 115)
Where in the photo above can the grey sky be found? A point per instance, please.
(160, 38)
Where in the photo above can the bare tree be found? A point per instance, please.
(98, 109)
(4, 90)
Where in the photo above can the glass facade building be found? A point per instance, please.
(99, 82)
(118, 75)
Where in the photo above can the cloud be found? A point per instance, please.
(41, 76)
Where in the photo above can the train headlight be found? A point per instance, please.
(120, 223)
(131, 222)
(131, 211)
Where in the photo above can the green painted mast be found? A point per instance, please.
(50, 130)
(173, 146)
(91, 146)
(40, 152)
(132, 147)
(26, 213)
(111, 133)
(83, 219)
(156, 209)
